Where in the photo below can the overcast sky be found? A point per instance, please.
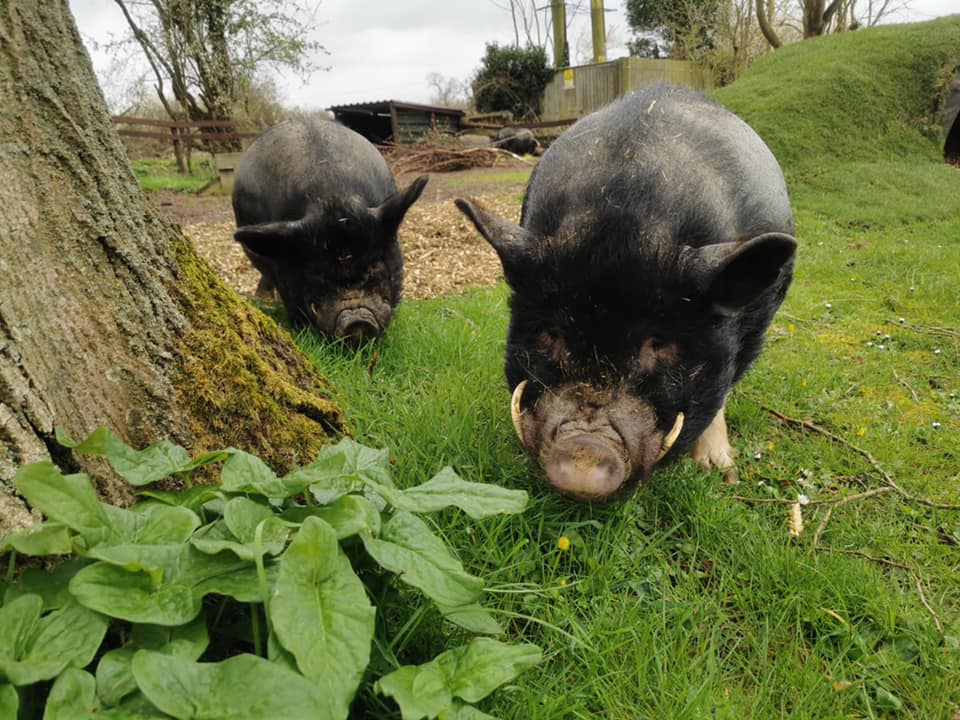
(385, 49)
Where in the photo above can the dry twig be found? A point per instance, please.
(893, 564)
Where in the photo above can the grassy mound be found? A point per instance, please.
(875, 94)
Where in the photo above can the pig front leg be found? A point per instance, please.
(713, 450)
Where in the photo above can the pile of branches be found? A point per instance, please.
(443, 157)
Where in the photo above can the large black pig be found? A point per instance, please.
(654, 247)
(317, 212)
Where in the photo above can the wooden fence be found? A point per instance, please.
(577, 91)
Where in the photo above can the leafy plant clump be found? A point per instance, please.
(247, 599)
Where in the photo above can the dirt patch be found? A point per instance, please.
(442, 251)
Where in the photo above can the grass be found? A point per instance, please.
(685, 601)
(161, 174)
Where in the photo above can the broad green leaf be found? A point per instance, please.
(421, 691)
(479, 668)
(321, 614)
(207, 458)
(464, 712)
(409, 548)
(478, 500)
(217, 537)
(9, 701)
(194, 498)
(347, 467)
(473, 618)
(348, 515)
(39, 540)
(17, 622)
(245, 687)
(51, 585)
(114, 671)
(66, 637)
(246, 473)
(138, 467)
(470, 672)
(67, 499)
(170, 593)
(151, 523)
(73, 696)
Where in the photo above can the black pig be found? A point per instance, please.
(317, 212)
(654, 247)
(519, 141)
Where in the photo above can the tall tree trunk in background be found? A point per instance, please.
(107, 315)
(764, 20)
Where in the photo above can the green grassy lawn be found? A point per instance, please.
(687, 601)
(161, 174)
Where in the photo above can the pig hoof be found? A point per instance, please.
(714, 455)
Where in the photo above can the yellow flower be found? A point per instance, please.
(770, 445)
(563, 542)
(861, 432)
(791, 328)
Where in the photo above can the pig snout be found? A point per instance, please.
(585, 466)
(356, 325)
(592, 453)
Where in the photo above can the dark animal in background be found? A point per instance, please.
(317, 213)
(519, 141)
(654, 247)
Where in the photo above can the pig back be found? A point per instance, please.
(670, 159)
(300, 163)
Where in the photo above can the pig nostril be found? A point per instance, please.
(356, 325)
(585, 467)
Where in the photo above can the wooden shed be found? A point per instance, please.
(386, 121)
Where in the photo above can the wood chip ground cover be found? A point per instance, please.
(443, 253)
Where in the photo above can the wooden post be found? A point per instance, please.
(561, 57)
(598, 25)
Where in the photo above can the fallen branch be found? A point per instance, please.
(890, 486)
(927, 329)
(885, 476)
(444, 158)
(893, 564)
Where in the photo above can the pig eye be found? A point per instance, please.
(656, 351)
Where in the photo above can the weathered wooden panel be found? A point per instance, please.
(577, 91)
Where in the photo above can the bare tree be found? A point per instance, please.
(111, 317)
(448, 91)
(818, 17)
(203, 53)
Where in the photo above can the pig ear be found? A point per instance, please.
(734, 274)
(511, 242)
(273, 238)
(389, 214)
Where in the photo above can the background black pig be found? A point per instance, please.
(654, 247)
(519, 141)
(317, 212)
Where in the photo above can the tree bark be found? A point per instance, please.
(766, 26)
(107, 315)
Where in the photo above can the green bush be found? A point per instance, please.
(512, 79)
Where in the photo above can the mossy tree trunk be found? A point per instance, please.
(107, 316)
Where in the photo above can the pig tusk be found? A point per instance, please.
(671, 436)
(515, 409)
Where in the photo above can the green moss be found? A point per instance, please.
(241, 379)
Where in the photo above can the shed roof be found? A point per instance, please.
(395, 121)
(383, 106)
